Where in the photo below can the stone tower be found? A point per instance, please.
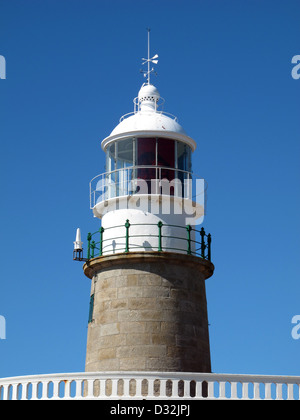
(149, 260)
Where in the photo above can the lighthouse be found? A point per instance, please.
(150, 258)
(148, 262)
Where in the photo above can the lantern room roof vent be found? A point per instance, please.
(148, 93)
(148, 99)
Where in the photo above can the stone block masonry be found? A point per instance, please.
(149, 314)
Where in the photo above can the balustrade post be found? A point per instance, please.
(126, 388)
(34, 395)
(93, 245)
(89, 237)
(67, 389)
(290, 391)
(14, 391)
(203, 246)
(45, 386)
(210, 389)
(159, 224)
(208, 247)
(114, 387)
(189, 228)
(78, 388)
(101, 230)
(127, 226)
(138, 388)
(55, 389)
(5, 392)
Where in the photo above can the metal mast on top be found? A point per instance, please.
(149, 60)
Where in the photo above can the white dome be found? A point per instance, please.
(152, 121)
(147, 120)
(147, 116)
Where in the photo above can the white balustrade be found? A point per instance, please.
(149, 386)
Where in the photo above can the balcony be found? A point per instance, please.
(131, 237)
(146, 179)
(149, 386)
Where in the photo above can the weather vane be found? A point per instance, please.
(148, 61)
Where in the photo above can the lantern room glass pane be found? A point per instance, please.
(124, 153)
(146, 151)
(120, 154)
(146, 156)
(166, 152)
(184, 164)
(119, 157)
(166, 158)
(183, 157)
(111, 158)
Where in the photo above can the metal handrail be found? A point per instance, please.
(120, 182)
(168, 114)
(95, 248)
(142, 167)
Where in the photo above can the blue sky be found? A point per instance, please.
(225, 71)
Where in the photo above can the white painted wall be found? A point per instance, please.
(143, 223)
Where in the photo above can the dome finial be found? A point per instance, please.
(149, 60)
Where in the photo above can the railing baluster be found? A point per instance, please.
(67, 390)
(210, 388)
(186, 390)
(55, 389)
(14, 391)
(162, 388)
(89, 237)
(34, 390)
(114, 387)
(159, 224)
(245, 390)
(189, 228)
(44, 390)
(268, 391)
(222, 389)
(233, 389)
(78, 388)
(102, 385)
(138, 387)
(127, 226)
(5, 392)
(24, 391)
(203, 246)
(127, 387)
(93, 246)
(256, 391)
(199, 389)
(278, 391)
(101, 230)
(290, 392)
(175, 389)
(208, 247)
(90, 388)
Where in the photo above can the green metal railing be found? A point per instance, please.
(200, 247)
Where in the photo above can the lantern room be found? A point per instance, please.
(147, 155)
(148, 144)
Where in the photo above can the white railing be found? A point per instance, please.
(143, 179)
(149, 386)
